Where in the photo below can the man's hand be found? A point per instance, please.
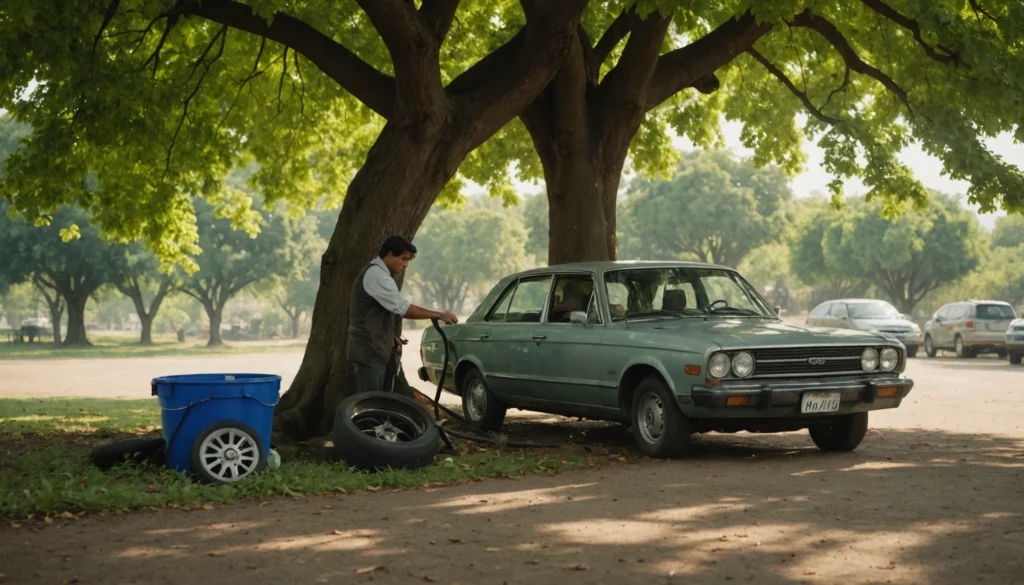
(449, 318)
(401, 340)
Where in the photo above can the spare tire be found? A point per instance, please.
(377, 430)
(135, 450)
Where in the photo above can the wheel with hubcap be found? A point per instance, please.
(929, 347)
(843, 433)
(480, 406)
(660, 428)
(377, 430)
(962, 351)
(227, 451)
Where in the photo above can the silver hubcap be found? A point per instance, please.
(229, 454)
(651, 418)
(476, 400)
(387, 426)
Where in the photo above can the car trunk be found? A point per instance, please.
(992, 321)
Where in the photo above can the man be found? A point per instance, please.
(376, 302)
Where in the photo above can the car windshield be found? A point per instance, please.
(873, 311)
(639, 293)
(999, 312)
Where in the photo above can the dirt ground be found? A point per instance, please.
(935, 494)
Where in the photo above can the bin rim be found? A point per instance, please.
(205, 379)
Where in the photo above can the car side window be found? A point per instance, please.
(942, 314)
(497, 314)
(821, 310)
(528, 300)
(573, 292)
(957, 313)
(839, 310)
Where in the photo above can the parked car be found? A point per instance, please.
(969, 328)
(1015, 341)
(668, 348)
(868, 315)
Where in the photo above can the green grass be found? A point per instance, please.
(126, 347)
(45, 471)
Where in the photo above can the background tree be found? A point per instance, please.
(295, 291)
(459, 250)
(19, 302)
(139, 277)
(233, 260)
(535, 220)
(714, 209)
(807, 256)
(66, 273)
(1008, 232)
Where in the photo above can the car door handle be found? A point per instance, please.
(485, 336)
(539, 337)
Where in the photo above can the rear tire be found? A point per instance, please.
(377, 430)
(929, 347)
(912, 351)
(842, 434)
(660, 428)
(962, 351)
(1015, 358)
(1001, 353)
(479, 405)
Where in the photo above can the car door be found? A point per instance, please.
(838, 316)
(817, 317)
(565, 355)
(938, 328)
(510, 340)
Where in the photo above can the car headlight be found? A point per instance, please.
(889, 359)
(743, 364)
(869, 359)
(719, 365)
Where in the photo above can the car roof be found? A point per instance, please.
(598, 267)
(859, 301)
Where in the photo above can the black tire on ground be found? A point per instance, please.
(227, 451)
(377, 430)
(961, 349)
(134, 450)
(929, 347)
(1001, 353)
(480, 406)
(843, 433)
(660, 428)
(912, 351)
(1015, 358)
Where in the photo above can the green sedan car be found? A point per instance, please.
(667, 348)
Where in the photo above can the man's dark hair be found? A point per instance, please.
(396, 246)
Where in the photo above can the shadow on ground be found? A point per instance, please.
(908, 507)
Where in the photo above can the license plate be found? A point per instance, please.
(815, 402)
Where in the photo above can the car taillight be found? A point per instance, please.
(970, 324)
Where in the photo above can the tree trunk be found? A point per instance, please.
(581, 209)
(146, 321)
(56, 313)
(76, 321)
(295, 324)
(215, 314)
(391, 194)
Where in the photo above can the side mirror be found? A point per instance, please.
(579, 317)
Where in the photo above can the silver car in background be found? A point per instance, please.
(1015, 341)
(969, 328)
(870, 315)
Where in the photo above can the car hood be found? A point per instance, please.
(755, 333)
(865, 324)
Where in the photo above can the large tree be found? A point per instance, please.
(906, 257)
(294, 291)
(150, 102)
(139, 279)
(871, 76)
(714, 209)
(67, 260)
(1008, 232)
(462, 250)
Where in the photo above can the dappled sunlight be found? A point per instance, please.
(609, 532)
(335, 540)
(502, 502)
(64, 420)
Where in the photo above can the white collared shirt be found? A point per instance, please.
(379, 284)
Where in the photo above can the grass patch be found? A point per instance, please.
(45, 470)
(127, 347)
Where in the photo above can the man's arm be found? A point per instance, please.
(382, 287)
(415, 312)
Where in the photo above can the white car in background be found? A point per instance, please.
(868, 315)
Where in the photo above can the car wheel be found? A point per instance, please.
(377, 430)
(1015, 358)
(929, 346)
(661, 430)
(480, 406)
(961, 350)
(843, 433)
(227, 451)
(912, 351)
(1001, 353)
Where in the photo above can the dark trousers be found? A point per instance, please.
(373, 377)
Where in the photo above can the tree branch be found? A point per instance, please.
(438, 15)
(155, 56)
(826, 29)
(946, 58)
(222, 34)
(979, 10)
(695, 64)
(616, 31)
(359, 78)
(781, 76)
(108, 15)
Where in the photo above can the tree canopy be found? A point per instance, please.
(714, 209)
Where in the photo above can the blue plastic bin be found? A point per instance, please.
(192, 402)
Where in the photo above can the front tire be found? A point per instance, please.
(661, 430)
(929, 347)
(227, 451)
(1015, 358)
(844, 433)
(480, 406)
(912, 351)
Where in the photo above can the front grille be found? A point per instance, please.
(797, 361)
(894, 330)
(1019, 328)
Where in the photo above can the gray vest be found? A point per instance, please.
(371, 327)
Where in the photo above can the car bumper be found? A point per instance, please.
(782, 399)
